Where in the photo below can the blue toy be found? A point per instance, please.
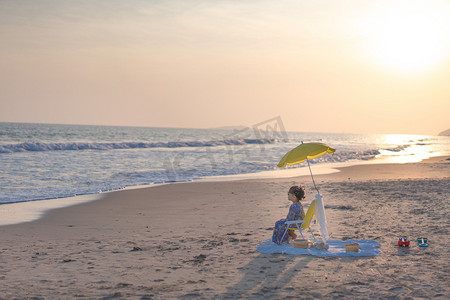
(423, 242)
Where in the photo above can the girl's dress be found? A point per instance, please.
(295, 213)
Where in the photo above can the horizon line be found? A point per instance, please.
(210, 128)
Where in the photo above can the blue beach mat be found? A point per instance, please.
(336, 248)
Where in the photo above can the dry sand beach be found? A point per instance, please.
(199, 240)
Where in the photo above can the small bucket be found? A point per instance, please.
(302, 244)
(352, 247)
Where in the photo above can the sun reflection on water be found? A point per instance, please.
(401, 148)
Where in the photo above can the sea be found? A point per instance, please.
(50, 161)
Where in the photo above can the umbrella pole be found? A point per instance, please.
(312, 177)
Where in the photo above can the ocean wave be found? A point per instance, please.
(344, 156)
(25, 147)
(396, 149)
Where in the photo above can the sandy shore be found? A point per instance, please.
(198, 240)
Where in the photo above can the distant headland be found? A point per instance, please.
(445, 133)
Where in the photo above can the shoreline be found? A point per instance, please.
(29, 211)
(199, 240)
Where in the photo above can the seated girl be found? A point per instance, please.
(295, 194)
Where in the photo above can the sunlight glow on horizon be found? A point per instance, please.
(407, 148)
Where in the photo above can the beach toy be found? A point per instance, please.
(321, 246)
(302, 244)
(354, 247)
(403, 242)
(422, 242)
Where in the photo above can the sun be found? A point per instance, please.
(407, 36)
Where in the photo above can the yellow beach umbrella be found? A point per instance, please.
(305, 151)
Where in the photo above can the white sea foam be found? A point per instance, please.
(24, 147)
(22, 212)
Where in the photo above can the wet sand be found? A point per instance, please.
(198, 240)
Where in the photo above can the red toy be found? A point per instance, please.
(403, 242)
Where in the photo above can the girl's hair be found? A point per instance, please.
(297, 191)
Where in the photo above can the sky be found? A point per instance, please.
(322, 66)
